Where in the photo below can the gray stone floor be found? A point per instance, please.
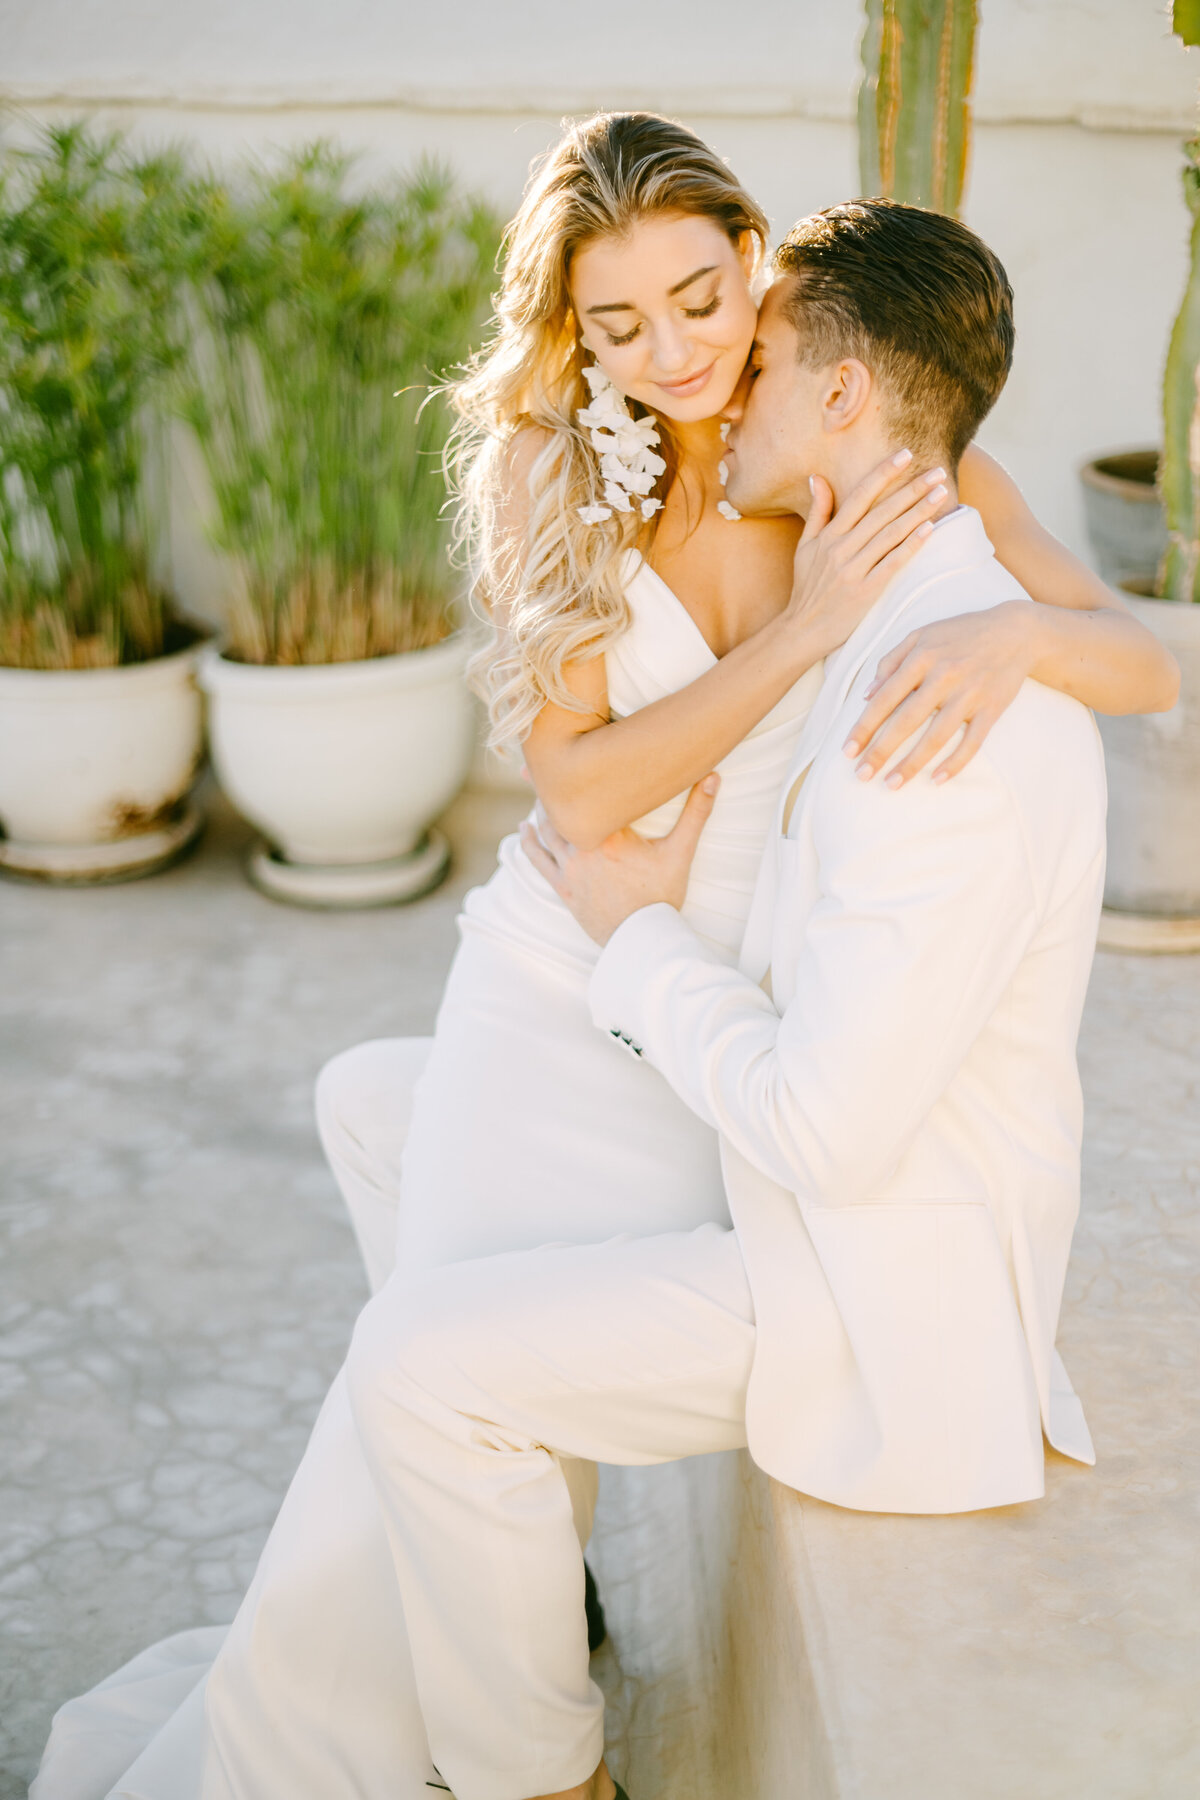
(178, 1280)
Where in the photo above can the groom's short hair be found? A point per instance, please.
(915, 296)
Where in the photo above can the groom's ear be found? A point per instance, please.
(847, 393)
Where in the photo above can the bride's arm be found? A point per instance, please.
(1076, 636)
(1084, 640)
(595, 774)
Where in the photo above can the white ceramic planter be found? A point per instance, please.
(1152, 891)
(343, 767)
(96, 766)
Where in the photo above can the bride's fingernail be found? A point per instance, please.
(936, 475)
(902, 457)
(865, 772)
(937, 493)
(924, 530)
(851, 747)
(894, 780)
(942, 775)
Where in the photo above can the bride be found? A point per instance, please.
(642, 635)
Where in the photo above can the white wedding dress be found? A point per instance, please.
(529, 1126)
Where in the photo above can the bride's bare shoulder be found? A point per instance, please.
(517, 467)
(512, 478)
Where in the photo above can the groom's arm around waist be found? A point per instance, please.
(926, 904)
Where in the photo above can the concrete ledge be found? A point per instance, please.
(1007, 1654)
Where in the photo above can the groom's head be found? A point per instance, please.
(886, 326)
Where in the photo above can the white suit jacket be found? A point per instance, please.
(892, 1073)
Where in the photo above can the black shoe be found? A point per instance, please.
(597, 1629)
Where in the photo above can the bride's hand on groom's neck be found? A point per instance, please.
(606, 886)
(846, 557)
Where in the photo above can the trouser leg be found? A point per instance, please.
(364, 1104)
(313, 1693)
(634, 1351)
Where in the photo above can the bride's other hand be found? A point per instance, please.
(957, 673)
(845, 559)
(605, 886)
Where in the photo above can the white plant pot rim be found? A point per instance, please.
(65, 684)
(300, 682)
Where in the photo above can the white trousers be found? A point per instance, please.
(483, 1393)
(462, 1387)
(364, 1103)
(364, 1106)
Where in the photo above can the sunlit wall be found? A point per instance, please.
(1080, 106)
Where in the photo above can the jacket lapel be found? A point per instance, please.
(958, 541)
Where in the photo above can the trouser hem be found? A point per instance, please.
(542, 1777)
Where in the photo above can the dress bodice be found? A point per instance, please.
(662, 651)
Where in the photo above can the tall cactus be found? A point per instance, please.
(914, 111)
(1179, 475)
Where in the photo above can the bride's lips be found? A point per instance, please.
(683, 390)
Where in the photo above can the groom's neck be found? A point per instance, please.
(857, 460)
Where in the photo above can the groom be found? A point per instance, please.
(891, 1069)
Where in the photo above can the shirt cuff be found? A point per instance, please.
(622, 984)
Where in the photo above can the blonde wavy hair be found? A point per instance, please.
(557, 596)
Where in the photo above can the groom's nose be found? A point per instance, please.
(735, 406)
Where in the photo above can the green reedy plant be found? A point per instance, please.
(320, 318)
(914, 115)
(1179, 471)
(85, 342)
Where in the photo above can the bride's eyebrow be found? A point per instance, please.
(688, 279)
(628, 306)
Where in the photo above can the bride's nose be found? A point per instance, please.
(672, 352)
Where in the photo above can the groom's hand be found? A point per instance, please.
(604, 887)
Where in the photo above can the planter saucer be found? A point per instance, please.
(122, 859)
(1142, 934)
(348, 886)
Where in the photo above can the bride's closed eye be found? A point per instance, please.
(689, 312)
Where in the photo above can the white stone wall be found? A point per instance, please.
(1080, 107)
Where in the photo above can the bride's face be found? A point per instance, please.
(668, 313)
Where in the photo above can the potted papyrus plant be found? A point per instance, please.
(100, 717)
(323, 312)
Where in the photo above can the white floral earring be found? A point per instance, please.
(726, 508)
(625, 446)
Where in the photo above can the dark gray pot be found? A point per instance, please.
(1125, 522)
(1153, 763)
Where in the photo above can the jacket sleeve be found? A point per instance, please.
(925, 906)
